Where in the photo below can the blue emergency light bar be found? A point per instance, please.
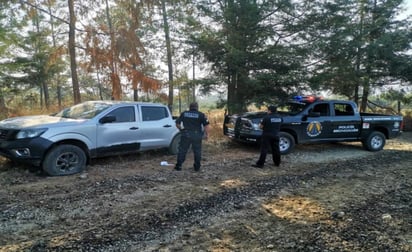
(309, 98)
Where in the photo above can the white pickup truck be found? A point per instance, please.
(65, 142)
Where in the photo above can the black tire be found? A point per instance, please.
(286, 143)
(174, 145)
(64, 160)
(375, 141)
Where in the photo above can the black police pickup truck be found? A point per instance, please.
(310, 119)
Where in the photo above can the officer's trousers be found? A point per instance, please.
(269, 141)
(194, 139)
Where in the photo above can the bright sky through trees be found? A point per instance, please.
(408, 4)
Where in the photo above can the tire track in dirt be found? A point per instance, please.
(141, 230)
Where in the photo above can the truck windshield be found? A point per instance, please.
(86, 110)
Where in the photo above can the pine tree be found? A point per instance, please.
(251, 49)
(359, 45)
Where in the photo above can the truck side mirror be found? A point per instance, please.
(107, 119)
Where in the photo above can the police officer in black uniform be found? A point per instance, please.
(190, 124)
(270, 125)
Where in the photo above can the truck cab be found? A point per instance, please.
(323, 120)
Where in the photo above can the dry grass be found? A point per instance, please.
(216, 118)
(32, 111)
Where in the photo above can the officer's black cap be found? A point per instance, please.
(272, 108)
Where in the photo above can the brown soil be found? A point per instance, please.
(329, 197)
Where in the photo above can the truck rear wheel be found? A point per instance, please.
(286, 143)
(174, 145)
(375, 141)
(64, 159)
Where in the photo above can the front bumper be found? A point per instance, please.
(29, 151)
(253, 136)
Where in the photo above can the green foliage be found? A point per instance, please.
(359, 44)
(246, 48)
(397, 95)
(259, 52)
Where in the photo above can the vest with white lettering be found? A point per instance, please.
(192, 120)
(271, 124)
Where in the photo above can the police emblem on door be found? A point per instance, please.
(314, 129)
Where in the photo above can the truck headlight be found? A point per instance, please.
(255, 126)
(30, 133)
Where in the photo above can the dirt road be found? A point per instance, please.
(329, 197)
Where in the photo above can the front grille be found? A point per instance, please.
(3, 133)
(7, 134)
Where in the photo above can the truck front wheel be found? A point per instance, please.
(375, 141)
(174, 145)
(65, 159)
(286, 143)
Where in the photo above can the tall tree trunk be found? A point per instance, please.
(180, 99)
(230, 95)
(57, 79)
(359, 53)
(46, 93)
(169, 54)
(194, 78)
(3, 107)
(356, 95)
(41, 76)
(72, 52)
(235, 103)
(365, 94)
(59, 95)
(370, 38)
(135, 95)
(358, 76)
(116, 83)
(99, 85)
(135, 83)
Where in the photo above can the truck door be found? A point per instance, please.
(318, 123)
(345, 123)
(120, 134)
(156, 126)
